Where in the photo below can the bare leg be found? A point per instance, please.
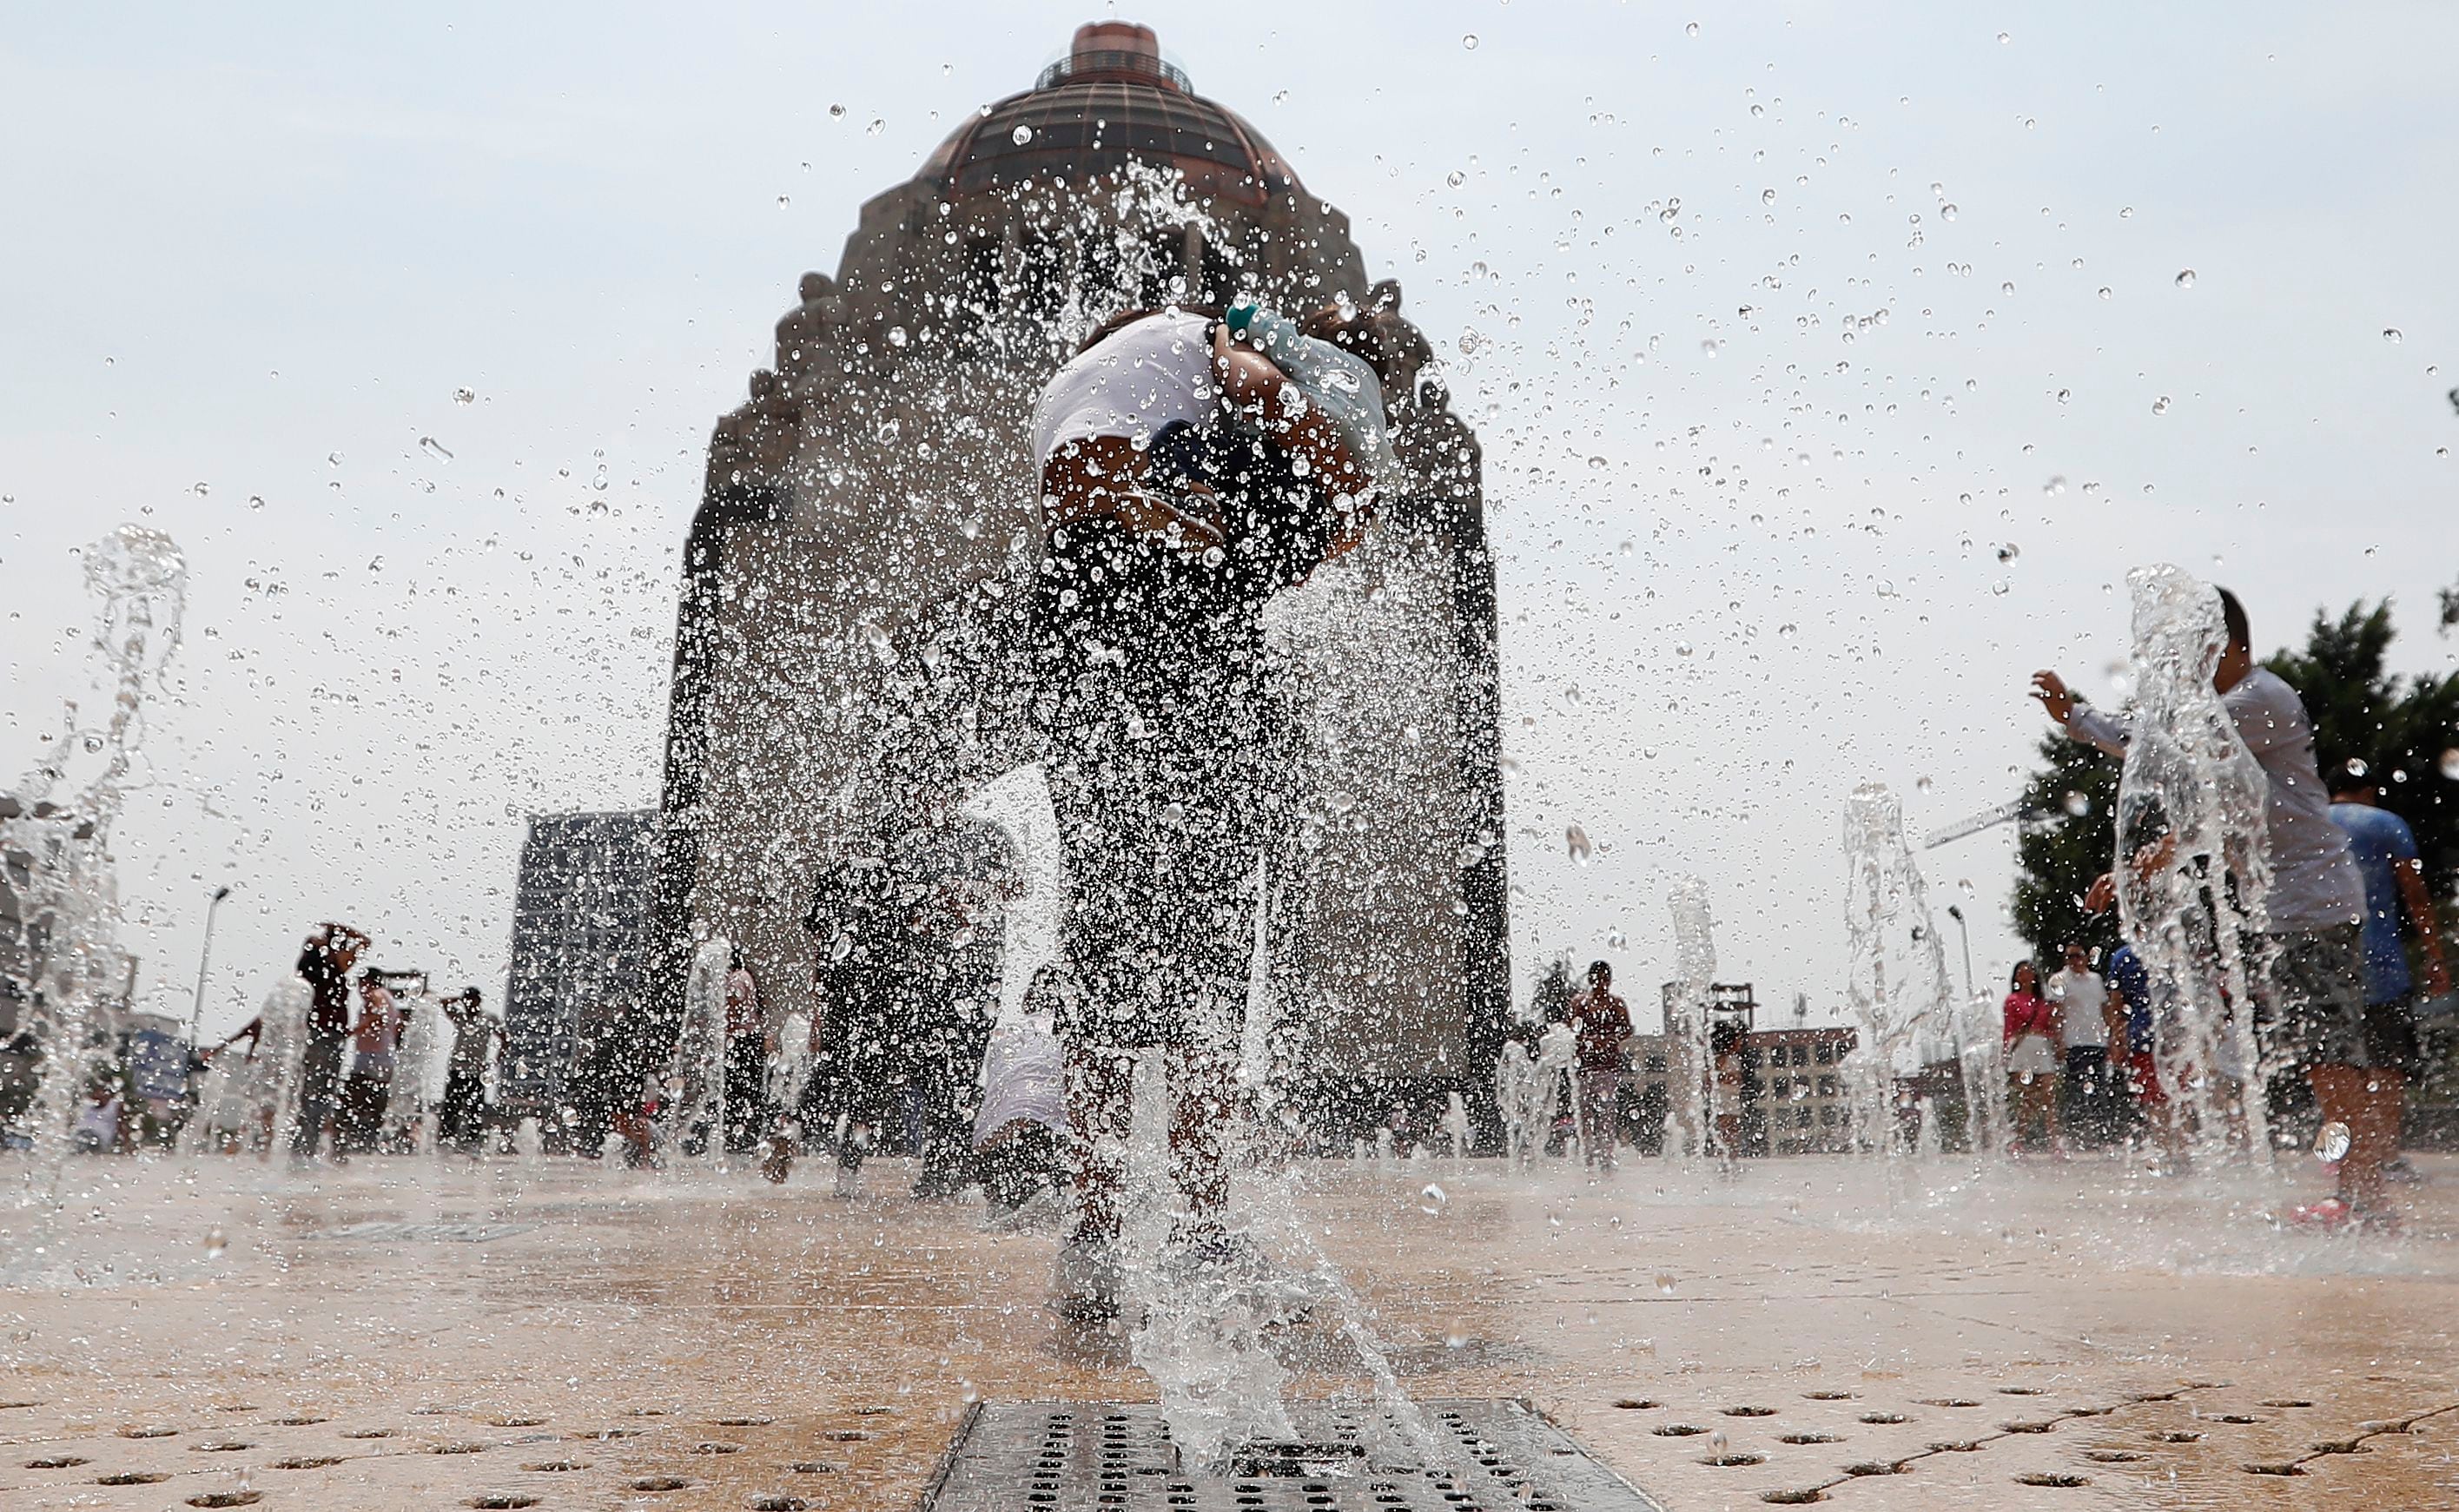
(2369, 1102)
(1199, 1162)
(1100, 1115)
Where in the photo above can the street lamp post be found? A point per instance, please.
(205, 957)
(1956, 913)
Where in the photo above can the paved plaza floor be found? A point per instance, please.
(543, 1333)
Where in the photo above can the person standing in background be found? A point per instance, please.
(2386, 855)
(2082, 1000)
(961, 957)
(2029, 1039)
(462, 1119)
(1602, 1022)
(325, 965)
(749, 1042)
(369, 1088)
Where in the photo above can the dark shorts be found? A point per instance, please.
(2310, 999)
(1148, 691)
(2390, 1036)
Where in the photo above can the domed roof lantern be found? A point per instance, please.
(1115, 49)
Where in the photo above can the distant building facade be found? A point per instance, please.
(579, 950)
(1793, 1086)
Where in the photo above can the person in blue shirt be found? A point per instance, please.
(2387, 855)
(2131, 983)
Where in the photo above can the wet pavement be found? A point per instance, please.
(546, 1334)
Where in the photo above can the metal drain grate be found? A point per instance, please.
(1116, 1456)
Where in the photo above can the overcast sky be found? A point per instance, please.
(1780, 336)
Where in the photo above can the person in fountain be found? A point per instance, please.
(359, 1125)
(325, 965)
(1184, 480)
(2308, 984)
(1602, 1021)
(2387, 855)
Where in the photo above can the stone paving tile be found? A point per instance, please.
(620, 1324)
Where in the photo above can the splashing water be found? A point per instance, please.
(700, 1052)
(1896, 987)
(61, 820)
(1687, 1030)
(2188, 779)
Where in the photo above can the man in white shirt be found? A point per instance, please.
(1181, 488)
(2081, 996)
(2309, 986)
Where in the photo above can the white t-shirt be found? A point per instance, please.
(2081, 993)
(1152, 373)
(2315, 883)
(1023, 1077)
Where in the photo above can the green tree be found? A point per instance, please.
(2400, 727)
(2067, 840)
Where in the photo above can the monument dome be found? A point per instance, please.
(1110, 101)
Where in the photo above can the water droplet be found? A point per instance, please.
(2331, 1142)
(1947, 212)
(896, 336)
(2391, 335)
(1923, 784)
(434, 449)
(2450, 763)
(1469, 41)
(2126, 213)
(876, 126)
(836, 109)
(1022, 134)
(1576, 840)
(464, 396)
(1766, 197)
(2160, 405)
(1682, 648)
(2186, 278)
(2004, 39)
(216, 1241)
(1692, 29)
(1455, 178)
(2054, 487)
(255, 501)
(2077, 803)
(1665, 1283)
(785, 202)
(1434, 1198)
(2009, 551)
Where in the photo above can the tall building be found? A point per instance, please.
(849, 640)
(579, 950)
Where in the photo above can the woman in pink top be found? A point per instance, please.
(2030, 1040)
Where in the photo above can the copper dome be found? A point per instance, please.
(1110, 102)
